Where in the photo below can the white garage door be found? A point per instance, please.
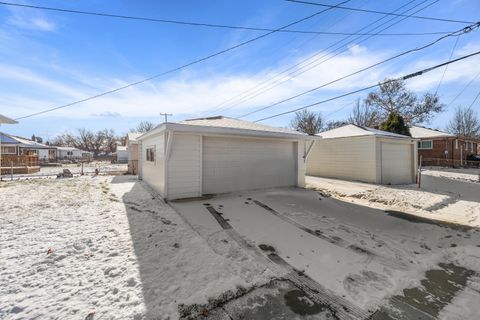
(397, 163)
(234, 164)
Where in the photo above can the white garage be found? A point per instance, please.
(220, 155)
(363, 154)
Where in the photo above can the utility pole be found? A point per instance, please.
(166, 115)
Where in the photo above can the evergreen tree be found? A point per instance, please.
(395, 124)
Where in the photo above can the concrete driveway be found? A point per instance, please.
(356, 261)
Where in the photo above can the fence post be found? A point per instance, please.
(82, 168)
(420, 173)
(11, 170)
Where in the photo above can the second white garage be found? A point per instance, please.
(219, 155)
(363, 154)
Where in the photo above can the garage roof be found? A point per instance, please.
(422, 132)
(352, 130)
(228, 126)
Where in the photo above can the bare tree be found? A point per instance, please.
(144, 127)
(307, 122)
(465, 123)
(394, 98)
(363, 114)
(334, 124)
(109, 140)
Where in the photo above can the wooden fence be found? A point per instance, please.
(449, 163)
(19, 164)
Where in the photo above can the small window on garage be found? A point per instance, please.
(9, 150)
(425, 144)
(456, 143)
(151, 154)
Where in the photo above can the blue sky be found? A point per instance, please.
(49, 59)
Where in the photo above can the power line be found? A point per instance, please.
(474, 100)
(456, 33)
(464, 88)
(381, 12)
(199, 24)
(180, 67)
(261, 88)
(406, 77)
(446, 67)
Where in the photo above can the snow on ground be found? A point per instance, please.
(394, 253)
(105, 247)
(466, 174)
(454, 200)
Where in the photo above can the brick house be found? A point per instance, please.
(442, 148)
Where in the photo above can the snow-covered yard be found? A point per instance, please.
(105, 248)
(446, 195)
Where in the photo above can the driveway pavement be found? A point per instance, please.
(362, 261)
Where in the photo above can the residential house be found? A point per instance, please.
(441, 148)
(133, 152)
(71, 153)
(363, 154)
(220, 155)
(15, 145)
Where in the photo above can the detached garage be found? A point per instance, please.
(220, 155)
(363, 154)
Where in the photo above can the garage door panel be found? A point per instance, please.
(232, 164)
(397, 163)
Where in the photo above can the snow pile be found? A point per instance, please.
(440, 198)
(104, 247)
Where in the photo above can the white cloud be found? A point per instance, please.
(194, 93)
(30, 20)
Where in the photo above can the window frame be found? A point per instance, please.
(422, 147)
(150, 154)
(12, 147)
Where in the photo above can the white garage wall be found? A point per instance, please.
(153, 173)
(185, 166)
(352, 158)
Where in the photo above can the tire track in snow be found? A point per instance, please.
(335, 241)
(343, 308)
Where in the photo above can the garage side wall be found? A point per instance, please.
(153, 172)
(184, 170)
(351, 158)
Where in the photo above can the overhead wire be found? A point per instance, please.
(381, 12)
(455, 34)
(464, 88)
(196, 24)
(446, 67)
(263, 86)
(406, 77)
(241, 44)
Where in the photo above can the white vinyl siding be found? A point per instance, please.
(351, 158)
(234, 164)
(153, 173)
(184, 167)
(397, 163)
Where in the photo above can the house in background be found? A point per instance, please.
(16, 155)
(363, 154)
(16, 145)
(122, 154)
(442, 148)
(71, 153)
(133, 152)
(220, 155)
